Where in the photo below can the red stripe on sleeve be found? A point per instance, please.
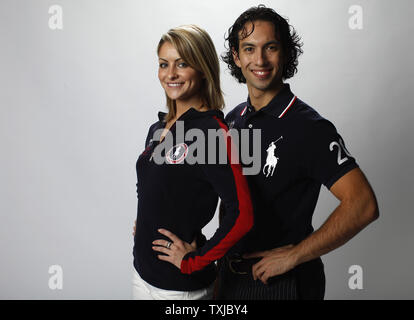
(243, 224)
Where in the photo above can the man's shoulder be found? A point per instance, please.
(235, 112)
(307, 114)
(304, 111)
(310, 122)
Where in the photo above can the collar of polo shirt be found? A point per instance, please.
(192, 113)
(278, 106)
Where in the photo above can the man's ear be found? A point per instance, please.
(236, 57)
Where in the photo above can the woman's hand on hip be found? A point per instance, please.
(174, 250)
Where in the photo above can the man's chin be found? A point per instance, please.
(262, 86)
(267, 85)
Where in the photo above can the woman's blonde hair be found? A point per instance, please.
(196, 48)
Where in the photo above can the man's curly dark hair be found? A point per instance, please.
(286, 34)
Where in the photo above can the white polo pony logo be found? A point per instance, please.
(271, 159)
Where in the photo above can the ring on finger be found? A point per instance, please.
(169, 243)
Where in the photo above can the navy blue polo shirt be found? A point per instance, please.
(182, 197)
(300, 151)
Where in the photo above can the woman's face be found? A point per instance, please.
(181, 82)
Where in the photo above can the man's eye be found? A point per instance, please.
(248, 49)
(272, 48)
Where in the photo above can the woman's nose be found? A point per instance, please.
(172, 73)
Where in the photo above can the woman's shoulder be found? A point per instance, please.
(211, 119)
(160, 122)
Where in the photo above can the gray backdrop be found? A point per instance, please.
(76, 103)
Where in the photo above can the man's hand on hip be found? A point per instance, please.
(274, 262)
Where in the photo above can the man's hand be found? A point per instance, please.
(175, 249)
(274, 262)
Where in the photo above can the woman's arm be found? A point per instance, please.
(231, 186)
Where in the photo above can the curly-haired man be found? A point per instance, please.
(280, 257)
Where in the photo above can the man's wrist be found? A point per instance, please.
(297, 255)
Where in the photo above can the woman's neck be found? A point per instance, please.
(184, 106)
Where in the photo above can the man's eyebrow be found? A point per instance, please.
(247, 44)
(272, 42)
(250, 44)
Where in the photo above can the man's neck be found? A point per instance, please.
(260, 98)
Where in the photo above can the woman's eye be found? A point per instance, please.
(182, 65)
(163, 65)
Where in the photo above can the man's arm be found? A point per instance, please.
(358, 208)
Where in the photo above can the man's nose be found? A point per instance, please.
(260, 57)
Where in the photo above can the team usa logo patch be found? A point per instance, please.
(177, 154)
(271, 159)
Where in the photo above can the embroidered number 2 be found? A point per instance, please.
(341, 148)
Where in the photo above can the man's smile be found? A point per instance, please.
(262, 74)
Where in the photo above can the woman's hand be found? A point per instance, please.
(175, 249)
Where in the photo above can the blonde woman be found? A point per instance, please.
(178, 197)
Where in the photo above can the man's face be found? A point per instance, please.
(260, 57)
